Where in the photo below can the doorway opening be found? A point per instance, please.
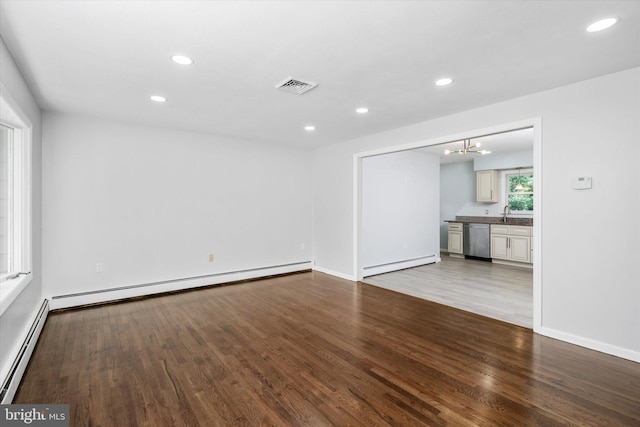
(363, 269)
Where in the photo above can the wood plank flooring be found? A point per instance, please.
(498, 291)
(314, 350)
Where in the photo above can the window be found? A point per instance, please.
(519, 190)
(15, 200)
(6, 138)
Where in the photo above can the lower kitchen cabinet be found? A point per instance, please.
(455, 238)
(511, 243)
(519, 249)
(499, 246)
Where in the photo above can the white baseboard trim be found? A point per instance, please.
(22, 355)
(399, 265)
(613, 350)
(334, 273)
(106, 295)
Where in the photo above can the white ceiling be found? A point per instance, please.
(507, 142)
(106, 58)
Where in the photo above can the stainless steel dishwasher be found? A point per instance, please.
(476, 241)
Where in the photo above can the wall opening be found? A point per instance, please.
(535, 124)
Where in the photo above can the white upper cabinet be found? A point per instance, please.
(487, 186)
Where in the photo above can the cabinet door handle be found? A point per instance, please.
(508, 242)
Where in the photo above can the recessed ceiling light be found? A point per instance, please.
(362, 110)
(310, 128)
(443, 82)
(182, 60)
(602, 24)
(157, 98)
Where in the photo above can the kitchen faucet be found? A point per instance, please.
(505, 211)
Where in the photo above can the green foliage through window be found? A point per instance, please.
(520, 200)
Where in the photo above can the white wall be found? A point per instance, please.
(151, 204)
(16, 320)
(400, 207)
(457, 188)
(504, 161)
(589, 272)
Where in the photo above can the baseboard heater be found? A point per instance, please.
(12, 381)
(142, 289)
(372, 270)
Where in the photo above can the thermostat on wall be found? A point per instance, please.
(581, 183)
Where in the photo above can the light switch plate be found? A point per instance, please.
(581, 183)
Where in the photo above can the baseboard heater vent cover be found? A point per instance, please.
(12, 381)
(372, 270)
(99, 296)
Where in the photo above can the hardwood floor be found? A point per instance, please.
(498, 291)
(311, 349)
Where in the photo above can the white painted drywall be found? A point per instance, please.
(151, 204)
(589, 275)
(17, 319)
(400, 207)
(504, 161)
(457, 188)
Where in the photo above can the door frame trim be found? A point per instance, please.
(536, 124)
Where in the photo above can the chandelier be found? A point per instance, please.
(468, 148)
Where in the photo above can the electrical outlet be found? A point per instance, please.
(99, 267)
(302, 246)
(210, 257)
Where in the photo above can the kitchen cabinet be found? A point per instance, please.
(455, 239)
(511, 243)
(487, 182)
(499, 246)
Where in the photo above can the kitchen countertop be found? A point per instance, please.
(492, 220)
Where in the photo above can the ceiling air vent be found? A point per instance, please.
(295, 85)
